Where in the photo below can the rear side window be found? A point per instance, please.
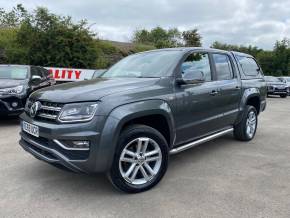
(223, 67)
(249, 66)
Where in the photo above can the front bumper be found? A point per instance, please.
(277, 91)
(45, 149)
(6, 107)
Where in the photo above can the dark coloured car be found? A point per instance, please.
(149, 105)
(286, 80)
(17, 82)
(276, 87)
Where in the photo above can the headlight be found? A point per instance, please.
(79, 112)
(13, 91)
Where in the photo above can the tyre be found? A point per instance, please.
(141, 159)
(283, 95)
(246, 129)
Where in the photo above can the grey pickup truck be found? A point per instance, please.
(146, 107)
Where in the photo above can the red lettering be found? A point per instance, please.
(50, 73)
(56, 75)
(69, 74)
(78, 73)
(63, 74)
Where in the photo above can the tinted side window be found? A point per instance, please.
(249, 66)
(223, 66)
(197, 62)
(45, 72)
(36, 72)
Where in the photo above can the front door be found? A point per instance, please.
(197, 104)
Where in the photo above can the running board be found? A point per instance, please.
(200, 141)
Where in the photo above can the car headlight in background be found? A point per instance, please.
(79, 112)
(13, 90)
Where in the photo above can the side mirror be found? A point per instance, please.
(191, 77)
(35, 79)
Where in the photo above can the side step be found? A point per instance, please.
(200, 141)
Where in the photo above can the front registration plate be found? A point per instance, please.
(30, 129)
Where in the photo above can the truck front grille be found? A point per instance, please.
(48, 111)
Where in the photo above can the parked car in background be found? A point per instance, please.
(17, 82)
(276, 87)
(286, 80)
(149, 105)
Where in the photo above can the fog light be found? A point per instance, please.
(73, 145)
(14, 104)
(81, 144)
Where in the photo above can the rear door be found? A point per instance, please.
(229, 87)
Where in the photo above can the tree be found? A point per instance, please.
(265, 59)
(2, 56)
(51, 40)
(191, 38)
(158, 37)
(13, 18)
(12, 52)
(281, 58)
(253, 50)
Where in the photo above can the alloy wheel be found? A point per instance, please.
(140, 161)
(251, 124)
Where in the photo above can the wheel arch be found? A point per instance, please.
(251, 96)
(134, 113)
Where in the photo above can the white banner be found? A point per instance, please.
(69, 74)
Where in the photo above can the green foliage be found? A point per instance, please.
(252, 50)
(13, 18)
(281, 60)
(51, 40)
(12, 52)
(192, 38)
(106, 53)
(265, 59)
(141, 48)
(158, 37)
(45, 39)
(162, 38)
(276, 62)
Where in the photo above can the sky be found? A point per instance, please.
(243, 22)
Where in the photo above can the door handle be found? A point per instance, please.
(238, 87)
(214, 92)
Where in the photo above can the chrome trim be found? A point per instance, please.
(70, 149)
(47, 116)
(200, 141)
(61, 157)
(77, 121)
(49, 108)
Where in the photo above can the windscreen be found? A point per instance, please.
(144, 65)
(13, 72)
